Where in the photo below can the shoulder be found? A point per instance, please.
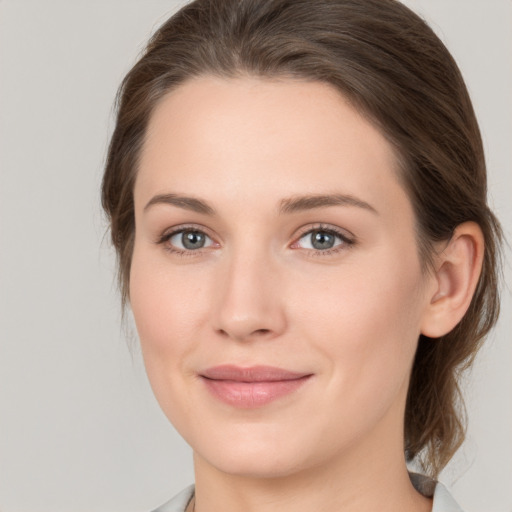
(179, 502)
(443, 501)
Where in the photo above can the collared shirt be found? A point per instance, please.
(442, 499)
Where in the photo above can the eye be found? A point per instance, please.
(323, 240)
(186, 240)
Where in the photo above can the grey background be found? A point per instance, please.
(79, 428)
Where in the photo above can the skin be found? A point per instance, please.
(259, 294)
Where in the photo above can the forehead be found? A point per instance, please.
(266, 137)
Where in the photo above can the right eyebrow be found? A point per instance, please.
(187, 203)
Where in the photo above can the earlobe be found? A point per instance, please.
(454, 282)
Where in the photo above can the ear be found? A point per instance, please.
(454, 282)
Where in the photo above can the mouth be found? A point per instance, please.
(251, 387)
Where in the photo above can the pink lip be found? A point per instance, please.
(251, 387)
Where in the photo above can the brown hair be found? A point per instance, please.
(394, 69)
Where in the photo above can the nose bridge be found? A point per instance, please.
(249, 303)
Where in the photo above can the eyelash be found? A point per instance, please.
(346, 241)
(165, 237)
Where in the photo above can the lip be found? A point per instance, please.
(251, 387)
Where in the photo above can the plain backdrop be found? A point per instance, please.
(79, 428)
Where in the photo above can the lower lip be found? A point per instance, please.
(248, 395)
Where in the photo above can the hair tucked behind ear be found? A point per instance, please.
(395, 71)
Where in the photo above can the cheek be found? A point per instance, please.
(367, 321)
(169, 311)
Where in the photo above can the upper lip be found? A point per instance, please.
(251, 374)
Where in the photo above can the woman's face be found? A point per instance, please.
(275, 282)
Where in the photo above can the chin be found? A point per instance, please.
(257, 453)
(253, 463)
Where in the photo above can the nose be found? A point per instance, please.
(250, 302)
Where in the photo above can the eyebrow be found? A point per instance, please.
(310, 202)
(187, 203)
(287, 206)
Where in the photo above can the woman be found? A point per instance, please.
(297, 197)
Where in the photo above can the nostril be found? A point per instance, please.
(257, 332)
(261, 331)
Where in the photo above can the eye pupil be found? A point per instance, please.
(322, 240)
(192, 239)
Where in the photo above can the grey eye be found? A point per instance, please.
(320, 240)
(190, 240)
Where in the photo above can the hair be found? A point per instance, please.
(395, 71)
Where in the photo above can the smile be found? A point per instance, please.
(252, 387)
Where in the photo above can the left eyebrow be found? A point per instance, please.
(310, 202)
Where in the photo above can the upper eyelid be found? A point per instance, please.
(342, 232)
(167, 233)
(302, 230)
